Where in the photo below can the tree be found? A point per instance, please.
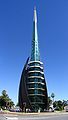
(64, 103)
(11, 103)
(49, 102)
(58, 105)
(5, 101)
(4, 93)
(53, 95)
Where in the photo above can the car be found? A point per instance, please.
(66, 109)
(15, 109)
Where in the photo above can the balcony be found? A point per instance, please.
(35, 71)
(37, 103)
(35, 62)
(36, 77)
(36, 95)
(36, 66)
(36, 83)
(36, 88)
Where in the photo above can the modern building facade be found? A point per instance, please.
(32, 88)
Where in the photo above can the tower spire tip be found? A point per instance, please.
(35, 15)
(34, 7)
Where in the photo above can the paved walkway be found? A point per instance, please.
(34, 116)
(42, 113)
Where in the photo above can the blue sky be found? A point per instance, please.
(16, 26)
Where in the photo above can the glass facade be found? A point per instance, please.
(33, 90)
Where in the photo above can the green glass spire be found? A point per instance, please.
(35, 49)
(33, 90)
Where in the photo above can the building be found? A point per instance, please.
(32, 88)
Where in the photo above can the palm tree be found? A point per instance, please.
(53, 95)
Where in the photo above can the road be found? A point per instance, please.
(34, 117)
